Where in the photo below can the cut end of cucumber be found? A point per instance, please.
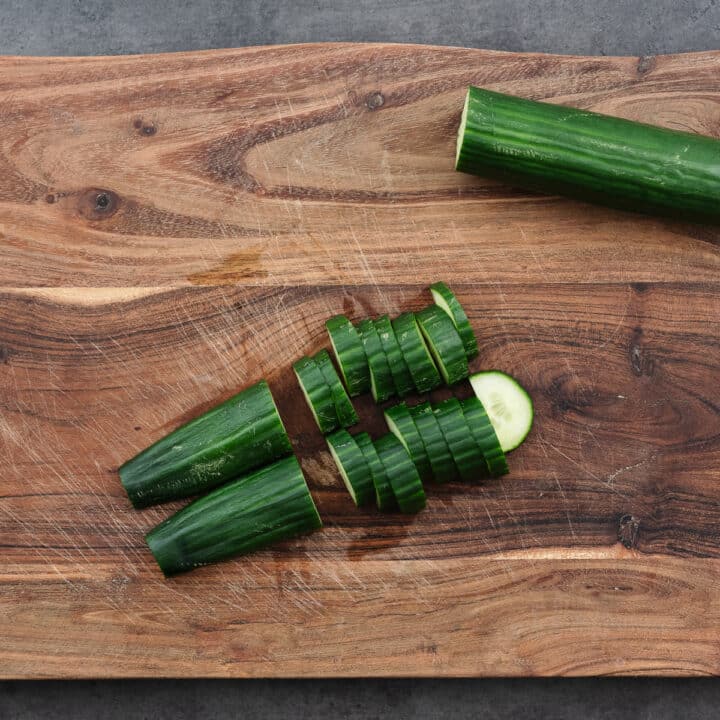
(507, 404)
(343, 474)
(461, 130)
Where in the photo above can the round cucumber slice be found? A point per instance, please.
(350, 355)
(441, 461)
(398, 367)
(317, 394)
(384, 495)
(401, 424)
(382, 386)
(484, 434)
(508, 405)
(445, 344)
(353, 469)
(402, 473)
(445, 299)
(343, 407)
(465, 450)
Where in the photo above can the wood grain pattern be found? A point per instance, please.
(173, 228)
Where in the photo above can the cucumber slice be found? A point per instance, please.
(441, 460)
(507, 403)
(317, 394)
(445, 299)
(444, 343)
(401, 424)
(402, 473)
(384, 495)
(270, 504)
(484, 434)
(343, 407)
(424, 373)
(242, 433)
(465, 450)
(381, 381)
(353, 469)
(398, 367)
(350, 355)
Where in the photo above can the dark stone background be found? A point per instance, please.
(600, 27)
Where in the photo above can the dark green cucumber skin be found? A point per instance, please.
(350, 354)
(354, 464)
(377, 362)
(441, 459)
(465, 450)
(343, 406)
(402, 473)
(584, 155)
(242, 433)
(400, 415)
(384, 495)
(319, 394)
(398, 367)
(423, 371)
(482, 430)
(270, 504)
(445, 343)
(459, 318)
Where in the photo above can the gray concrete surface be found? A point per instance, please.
(73, 27)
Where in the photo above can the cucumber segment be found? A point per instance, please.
(350, 355)
(384, 495)
(343, 407)
(398, 367)
(484, 434)
(381, 381)
(444, 343)
(508, 405)
(353, 469)
(242, 433)
(562, 150)
(402, 473)
(402, 425)
(422, 368)
(445, 299)
(317, 394)
(270, 504)
(465, 450)
(441, 460)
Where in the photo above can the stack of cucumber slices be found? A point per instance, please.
(239, 452)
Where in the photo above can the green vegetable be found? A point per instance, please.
(445, 299)
(465, 450)
(343, 407)
(353, 468)
(445, 344)
(508, 405)
(398, 367)
(585, 155)
(441, 460)
(242, 433)
(350, 355)
(382, 386)
(424, 374)
(402, 425)
(318, 394)
(270, 504)
(402, 473)
(484, 434)
(384, 495)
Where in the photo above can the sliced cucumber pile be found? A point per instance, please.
(508, 406)
(446, 441)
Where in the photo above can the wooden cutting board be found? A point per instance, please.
(175, 227)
